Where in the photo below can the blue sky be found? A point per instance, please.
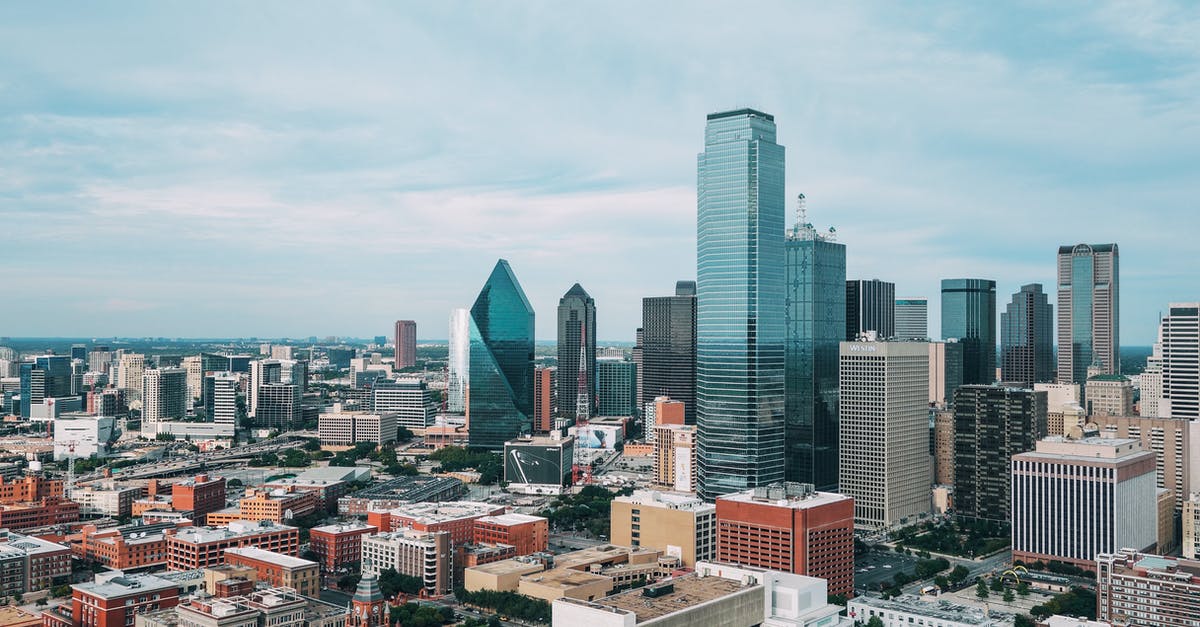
(315, 168)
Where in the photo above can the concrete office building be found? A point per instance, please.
(679, 525)
(279, 407)
(945, 371)
(410, 401)
(740, 293)
(1109, 395)
(870, 306)
(943, 447)
(663, 410)
(344, 427)
(1088, 311)
(576, 339)
(195, 376)
(428, 556)
(991, 424)
(1191, 526)
(1171, 440)
(668, 348)
(1061, 399)
(886, 466)
(81, 436)
(912, 318)
(219, 394)
(815, 321)
(130, 368)
(1076, 499)
(791, 528)
(1177, 360)
(1026, 338)
(544, 382)
(406, 343)
(45, 380)
(164, 397)
(1137, 589)
(675, 457)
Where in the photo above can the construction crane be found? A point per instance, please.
(583, 408)
(69, 488)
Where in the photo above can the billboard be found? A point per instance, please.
(529, 463)
(599, 436)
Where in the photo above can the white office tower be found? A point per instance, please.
(410, 400)
(164, 397)
(458, 381)
(884, 437)
(262, 372)
(912, 318)
(130, 368)
(1178, 361)
(195, 376)
(220, 397)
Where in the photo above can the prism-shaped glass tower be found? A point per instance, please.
(500, 396)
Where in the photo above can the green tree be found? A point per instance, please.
(1023, 588)
(1008, 595)
(941, 582)
(875, 622)
(959, 574)
(981, 590)
(997, 584)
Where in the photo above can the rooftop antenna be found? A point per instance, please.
(801, 210)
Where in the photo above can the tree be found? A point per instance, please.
(981, 590)
(42, 601)
(1022, 620)
(875, 622)
(941, 582)
(997, 584)
(959, 574)
(1023, 588)
(234, 483)
(1008, 595)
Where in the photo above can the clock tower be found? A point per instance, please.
(367, 607)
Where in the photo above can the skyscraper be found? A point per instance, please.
(1026, 338)
(164, 397)
(969, 314)
(740, 303)
(816, 323)
(617, 387)
(576, 326)
(991, 424)
(1088, 311)
(1175, 366)
(458, 372)
(884, 431)
(668, 364)
(279, 406)
(406, 344)
(870, 306)
(543, 398)
(46, 377)
(912, 318)
(262, 372)
(500, 401)
(220, 397)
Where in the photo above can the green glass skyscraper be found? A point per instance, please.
(816, 322)
(969, 314)
(500, 396)
(740, 304)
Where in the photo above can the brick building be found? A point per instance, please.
(791, 528)
(456, 517)
(339, 545)
(529, 534)
(199, 547)
(200, 495)
(49, 511)
(278, 569)
(122, 549)
(113, 599)
(277, 506)
(29, 488)
(1140, 589)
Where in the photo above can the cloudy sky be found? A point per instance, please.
(316, 168)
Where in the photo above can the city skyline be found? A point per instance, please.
(208, 151)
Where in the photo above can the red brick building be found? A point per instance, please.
(121, 549)
(339, 545)
(200, 547)
(529, 534)
(200, 495)
(543, 399)
(29, 488)
(43, 513)
(456, 517)
(790, 528)
(113, 599)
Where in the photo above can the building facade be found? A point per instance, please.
(1177, 364)
(339, 545)
(1088, 311)
(668, 348)
(426, 555)
(870, 306)
(885, 462)
(679, 525)
(576, 339)
(969, 315)
(815, 318)
(544, 382)
(675, 457)
(406, 343)
(219, 394)
(409, 401)
(1134, 588)
(200, 495)
(189, 548)
(1027, 338)
(617, 388)
(991, 424)
(500, 401)
(1109, 395)
(278, 569)
(164, 397)
(1170, 439)
(740, 303)
(912, 318)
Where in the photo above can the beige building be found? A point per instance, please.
(565, 582)
(675, 457)
(1191, 526)
(344, 427)
(1109, 395)
(679, 525)
(502, 576)
(1167, 540)
(130, 368)
(1061, 399)
(1169, 439)
(422, 554)
(939, 393)
(943, 447)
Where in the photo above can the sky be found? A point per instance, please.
(286, 169)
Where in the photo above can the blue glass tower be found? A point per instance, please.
(500, 396)
(45, 377)
(969, 314)
(816, 322)
(1026, 343)
(740, 304)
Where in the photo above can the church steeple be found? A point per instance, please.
(367, 606)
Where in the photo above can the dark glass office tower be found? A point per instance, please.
(870, 306)
(1089, 307)
(991, 424)
(740, 304)
(500, 397)
(969, 314)
(576, 317)
(816, 324)
(669, 348)
(46, 377)
(1026, 339)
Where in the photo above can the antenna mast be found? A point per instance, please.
(583, 408)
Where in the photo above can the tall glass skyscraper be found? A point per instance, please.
(46, 377)
(816, 322)
(969, 314)
(459, 367)
(740, 303)
(668, 361)
(576, 325)
(1026, 340)
(1088, 311)
(500, 397)
(870, 306)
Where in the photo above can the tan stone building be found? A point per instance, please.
(675, 460)
(1168, 438)
(943, 447)
(677, 524)
(1109, 395)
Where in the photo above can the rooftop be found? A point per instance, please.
(792, 495)
(116, 584)
(939, 609)
(335, 473)
(689, 590)
(740, 113)
(511, 519)
(343, 527)
(1092, 447)
(668, 500)
(431, 513)
(564, 578)
(510, 566)
(599, 554)
(287, 561)
(199, 535)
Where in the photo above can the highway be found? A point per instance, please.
(196, 461)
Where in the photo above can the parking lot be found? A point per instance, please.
(878, 566)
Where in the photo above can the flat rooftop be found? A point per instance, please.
(118, 584)
(431, 513)
(564, 578)
(939, 609)
(200, 535)
(287, 561)
(598, 554)
(815, 499)
(1093, 447)
(508, 567)
(667, 500)
(511, 519)
(690, 590)
(355, 525)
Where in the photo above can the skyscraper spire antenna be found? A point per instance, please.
(801, 210)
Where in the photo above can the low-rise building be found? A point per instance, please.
(328, 492)
(714, 595)
(400, 492)
(28, 563)
(43, 513)
(113, 599)
(344, 427)
(277, 506)
(123, 548)
(907, 610)
(500, 576)
(528, 534)
(200, 547)
(427, 555)
(339, 545)
(82, 436)
(199, 495)
(278, 569)
(455, 517)
(106, 500)
(1135, 588)
(678, 524)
